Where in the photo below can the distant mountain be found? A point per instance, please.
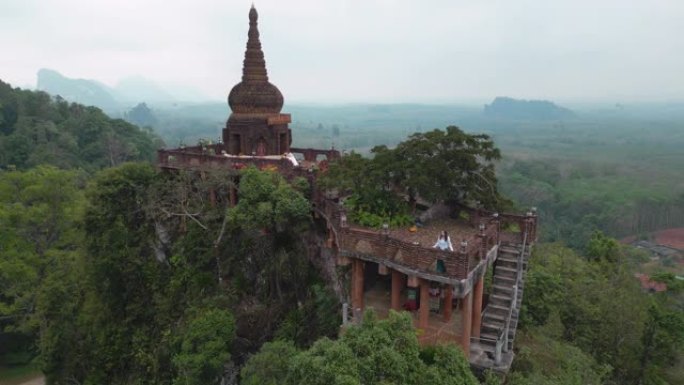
(138, 89)
(509, 108)
(113, 100)
(82, 91)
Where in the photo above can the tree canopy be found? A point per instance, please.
(593, 309)
(36, 129)
(440, 165)
(375, 352)
(39, 240)
(120, 279)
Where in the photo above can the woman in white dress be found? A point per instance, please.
(444, 242)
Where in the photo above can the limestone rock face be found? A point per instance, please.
(436, 211)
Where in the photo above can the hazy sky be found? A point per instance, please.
(448, 51)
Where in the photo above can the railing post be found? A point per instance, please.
(483, 241)
(345, 314)
(497, 223)
(507, 321)
(520, 264)
(358, 315)
(533, 229)
(497, 351)
(463, 253)
(504, 340)
(343, 219)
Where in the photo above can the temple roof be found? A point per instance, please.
(254, 94)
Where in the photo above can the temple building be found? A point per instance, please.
(256, 126)
(388, 269)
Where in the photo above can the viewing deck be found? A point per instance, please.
(475, 241)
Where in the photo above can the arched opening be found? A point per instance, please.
(260, 149)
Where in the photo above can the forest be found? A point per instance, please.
(112, 272)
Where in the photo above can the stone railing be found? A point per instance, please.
(381, 247)
(512, 227)
(388, 250)
(414, 257)
(312, 154)
(184, 159)
(211, 156)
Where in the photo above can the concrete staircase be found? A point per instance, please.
(500, 317)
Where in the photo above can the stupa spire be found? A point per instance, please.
(254, 94)
(254, 65)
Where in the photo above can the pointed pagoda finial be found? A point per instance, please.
(254, 94)
(254, 67)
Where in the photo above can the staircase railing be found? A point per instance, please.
(501, 342)
(521, 255)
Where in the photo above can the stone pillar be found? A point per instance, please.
(424, 311)
(212, 197)
(357, 285)
(448, 302)
(396, 289)
(478, 291)
(466, 318)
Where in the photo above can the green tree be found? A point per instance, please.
(545, 360)
(204, 348)
(39, 210)
(267, 202)
(663, 339)
(270, 366)
(447, 165)
(375, 352)
(37, 129)
(601, 311)
(325, 363)
(603, 248)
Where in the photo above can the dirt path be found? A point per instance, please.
(36, 380)
(673, 237)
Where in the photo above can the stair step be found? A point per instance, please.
(491, 330)
(490, 335)
(506, 263)
(497, 309)
(491, 327)
(509, 249)
(506, 269)
(488, 338)
(500, 279)
(503, 288)
(495, 317)
(505, 275)
(507, 258)
(500, 299)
